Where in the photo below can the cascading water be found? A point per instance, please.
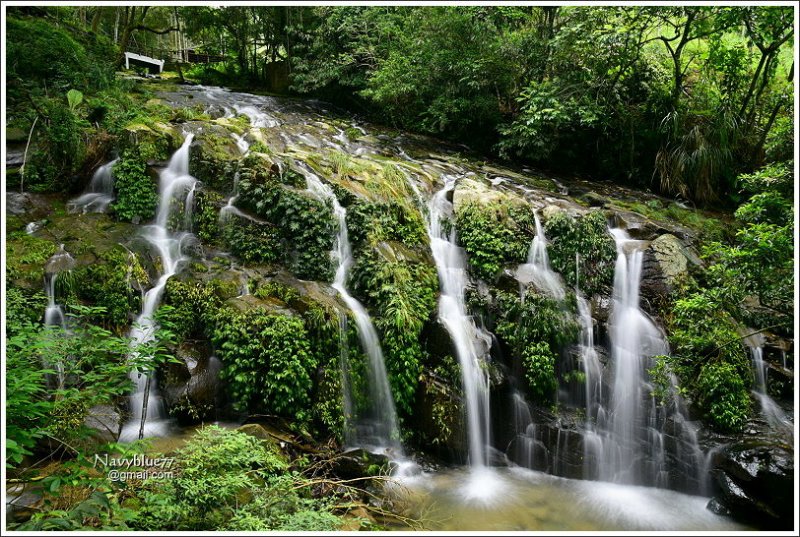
(100, 193)
(537, 270)
(627, 442)
(175, 183)
(472, 343)
(59, 263)
(380, 432)
(772, 412)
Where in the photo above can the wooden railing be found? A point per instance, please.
(183, 55)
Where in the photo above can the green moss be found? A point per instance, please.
(670, 212)
(26, 256)
(587, 237)
(494, 236)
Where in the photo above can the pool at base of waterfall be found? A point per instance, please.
(524, 500)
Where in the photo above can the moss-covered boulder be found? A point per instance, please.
(154, 141)
(214, 157)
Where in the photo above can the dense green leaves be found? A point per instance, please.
(136, 191)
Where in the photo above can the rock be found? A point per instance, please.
(755, 482)
(106, 421)
(594, 199)
(190, 389)
(550, 211)
(359, 463)
(666, 262)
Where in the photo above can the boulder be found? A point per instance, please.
(106, 422)
(357, 463)
(190, 388)
(755, 484)
(666, 262)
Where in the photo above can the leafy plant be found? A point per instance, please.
(137, 197)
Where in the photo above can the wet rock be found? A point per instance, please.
(666, 262)
(106, 422)
(755, 483)
(190, 388)
(359, 463)
(154, 142)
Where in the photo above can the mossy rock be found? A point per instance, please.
(153, 142)
(214, 157)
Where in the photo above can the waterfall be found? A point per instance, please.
(772, 412)
(100, 193)
(59, 263)
(175, 183)
(471, 343)
(537, 270)
(634, 339)
(381, 432)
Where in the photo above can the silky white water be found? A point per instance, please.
(148, 417)
(537, 270)
(472, 344)
(380, 431)
(100, 193)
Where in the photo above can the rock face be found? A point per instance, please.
(755, 483)
(666, 262)
(190, 389)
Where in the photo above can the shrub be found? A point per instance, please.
(587, 236)
(137, 197)
(539, 363)
(253, 242)
(217, 470)
(267, 361)
(305, 224)
(494, 236)
(723, 396)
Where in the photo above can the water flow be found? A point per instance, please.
(634, 340)
(472, 344)
(772, 412)
(380, 432)
(100, 193)
(175, 184)
(537, 270)
(60, 262)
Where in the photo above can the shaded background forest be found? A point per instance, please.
(676, 99)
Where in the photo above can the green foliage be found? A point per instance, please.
(193, 307)
(26, 407)
(539, 363)
(59, 148)
(723, 395)
(74, 99)
(376, 222)
(23, 307)
(206, 216)
(276, 290)
(494, 236)
(137, 197)
(44, 54)
(402, 295)
(588, 237)
(109, 283)
(305, 225)
(253, 242)
(267, 361)
(217, 472)
(26, 256)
